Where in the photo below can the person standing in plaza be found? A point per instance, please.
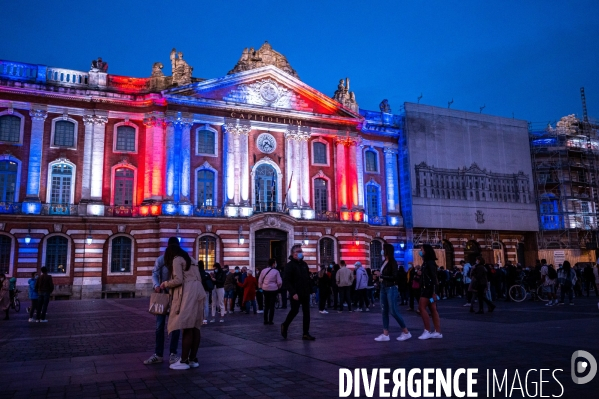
(324, 289)
(4, 295)
(249, 286)
(344, 279)
(361, 286)
(187, 305)
(428, 298)
(218, 294)
(231, 289)
(44, 287)
(297, 281)
(548, 281)
(466, 273)
(589, 280)
(567, 279)
(389, 294)
(334, 286)
(270, 282)
(481, 285)
(33, 296)
(161, 273)
(208, 287)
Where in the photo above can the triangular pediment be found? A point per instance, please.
(265, 87)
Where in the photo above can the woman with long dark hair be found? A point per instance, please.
(389, 294)
(567, 278)
(428, 298)
(187, 305)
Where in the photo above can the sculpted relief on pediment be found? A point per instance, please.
(266, 92)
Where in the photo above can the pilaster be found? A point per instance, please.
(32, 203)
(97, 162)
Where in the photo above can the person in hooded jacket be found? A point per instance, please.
(296, 280)
(361, 286)
(33, 296)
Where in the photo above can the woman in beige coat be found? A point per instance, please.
(187, 306)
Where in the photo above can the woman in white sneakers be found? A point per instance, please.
(389, 295)
(428, 298)
(270, 282)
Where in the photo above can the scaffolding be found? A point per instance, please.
(565, 159)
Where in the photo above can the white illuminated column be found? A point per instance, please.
(237, 155)
(341, 175)
(392, 181)
(38, 116)
(88, 121)
(185, 160)
(290, 166)
(305, 170)
(360, 173)
(170, 158)
(97, 164)
(245, 169)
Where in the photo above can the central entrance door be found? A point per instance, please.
(269, 243)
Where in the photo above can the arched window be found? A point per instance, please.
(64, 134)
(207, 251)
(205, 188)
(8, 181)
(5, 253)
(206, 142)
(123, 187)
(376, 260)
(371, 161)
(120, 255)
(10, 128)
(125, 139)
(373, 200)
(327, 251)
(56, 254)
(320, 195)
(60, 191)
(320, 153)
(266, 188)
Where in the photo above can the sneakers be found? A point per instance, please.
(382, 338)
(426, 335)
(466, 304)
(358, 310)
(31, 320)
(571, 303)
(178, 365)
(550, 303)
(323, 312)
(205, 322)
(404, 336)
(153, 359)
(260, 311)
(221, 321)
(173, 358)
(44, 321)
(435, 334)
(194, 363)
(308, 337)
(561, 303)
(212, 320)
(368, 309)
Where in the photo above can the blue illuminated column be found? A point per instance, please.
(185, 160)
(392, 180)
(32, 199)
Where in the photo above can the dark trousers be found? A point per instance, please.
(414, 294)
(345, 296)
(590, 284)
(304, 301)
(160, 324)
(42, 305)
(322, 297)
(362, 298)
(33, 307)
(335, 297)
(482, 297)
(260, 299)
(283, 292)
(269, 305)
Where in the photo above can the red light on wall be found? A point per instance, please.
(143, 210)
(155, 210)
(345, 216)
(358, 216)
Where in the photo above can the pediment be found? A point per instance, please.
(265, 87)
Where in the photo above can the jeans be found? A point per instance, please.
(218, 299)
(269, 305)
(305, 302)
(362, 298)
(33, 307)
(42, 305)
(160, 324)
(566, 289)
(370, 294)
(344, 296)
(389, 305)
(251, 302)
(207, 304)
(322, 298)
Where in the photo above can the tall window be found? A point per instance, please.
(320, 195)
(327, 251)
(125, 139)
(320, 153)
(206, 142)
(376, 259)
(372, 200)
(371, 164)
(8, 181)
(5, 249)
(207, 251)
(56, 254)
(123, 186)
(121, 255)
(266, 188)
(205, 188)
(64, 134)
(62, 176)
(10, 128)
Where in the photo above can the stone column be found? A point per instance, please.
(359, 150)
(86, 184)
(38, 116)
(170, 158)
(244, 169)
(230, 171)
(289, 168)
(185, 160)
(297, 169)
(237, 170)
(305, 170)
(149, 157)
(341, 175)
(97, 164)
(352, 176)
(392, 180)
(154, 161)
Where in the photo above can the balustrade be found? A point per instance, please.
(10, 207)
(67, 77)
(18, 71)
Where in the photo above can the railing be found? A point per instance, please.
(10, 207)
(59, 209)
(327, 215)
(67, 77)
(208, 211)
(261, 207)
(377, 220)
(18, 71)
(122, 211)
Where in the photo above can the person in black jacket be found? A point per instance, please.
(428, 296)
(297, 282)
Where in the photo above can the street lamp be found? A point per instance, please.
(178, 235)
(28, 236)
(241, 239)
(306, 241)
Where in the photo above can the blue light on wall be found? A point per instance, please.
(169, 209)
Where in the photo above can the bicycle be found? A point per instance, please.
(522, 290)
(544, 296)
(15, 303)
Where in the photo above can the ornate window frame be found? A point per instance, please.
(370, 254)
(380, 199)
(327, 152)
(336, 256)
(122, 164)
(115, 136)
(21, 127)
(217, 248)
(377, 159)
(321, 175)
(73, 179)
(109, 271)
(216, 140)
(75, 132)
(267, 160)
(206, 165)
(11, 257)
(8, 157)
(67, 272)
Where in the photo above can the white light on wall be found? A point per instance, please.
(241, 239)
(89, 238)
(27, 239)
(178, 235)
(402, 245)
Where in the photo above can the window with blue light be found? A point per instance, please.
(373, 200)
(121, 255)
(61, 183)
(320, 153)
(10, 128)
(64, 134)
(56, 254)
(205, 195)
(8, 181)
(123, 187)
(125, 139)
(371, 161)
(5, 253)
(206, 142)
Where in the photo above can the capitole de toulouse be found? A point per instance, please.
(98, 170)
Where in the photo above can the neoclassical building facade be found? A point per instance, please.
(97, 171)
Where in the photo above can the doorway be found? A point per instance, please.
(269, 243)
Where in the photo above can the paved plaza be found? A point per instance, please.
(95, 348)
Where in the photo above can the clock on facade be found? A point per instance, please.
(266, 143)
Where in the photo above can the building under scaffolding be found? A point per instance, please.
(565, 160)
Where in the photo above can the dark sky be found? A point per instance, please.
(526, 58)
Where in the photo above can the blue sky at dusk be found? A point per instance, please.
(529, 58)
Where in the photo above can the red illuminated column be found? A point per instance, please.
(352, 177)
(341, 175)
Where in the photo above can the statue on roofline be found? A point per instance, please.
(99, 65)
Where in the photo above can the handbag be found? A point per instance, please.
(159, 303)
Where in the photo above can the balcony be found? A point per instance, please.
(330, 216)
(122, 211)
(10, 207)
(208, 211)
(59, 209)
(377, 220)
(262, 207)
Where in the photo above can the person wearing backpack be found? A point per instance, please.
(548, 280)
(567, 279)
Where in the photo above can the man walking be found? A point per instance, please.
(44, 287)
(218, 294)
(160, 273)
(297, 282)
(344, 278)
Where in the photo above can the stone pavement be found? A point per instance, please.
(95, 349)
